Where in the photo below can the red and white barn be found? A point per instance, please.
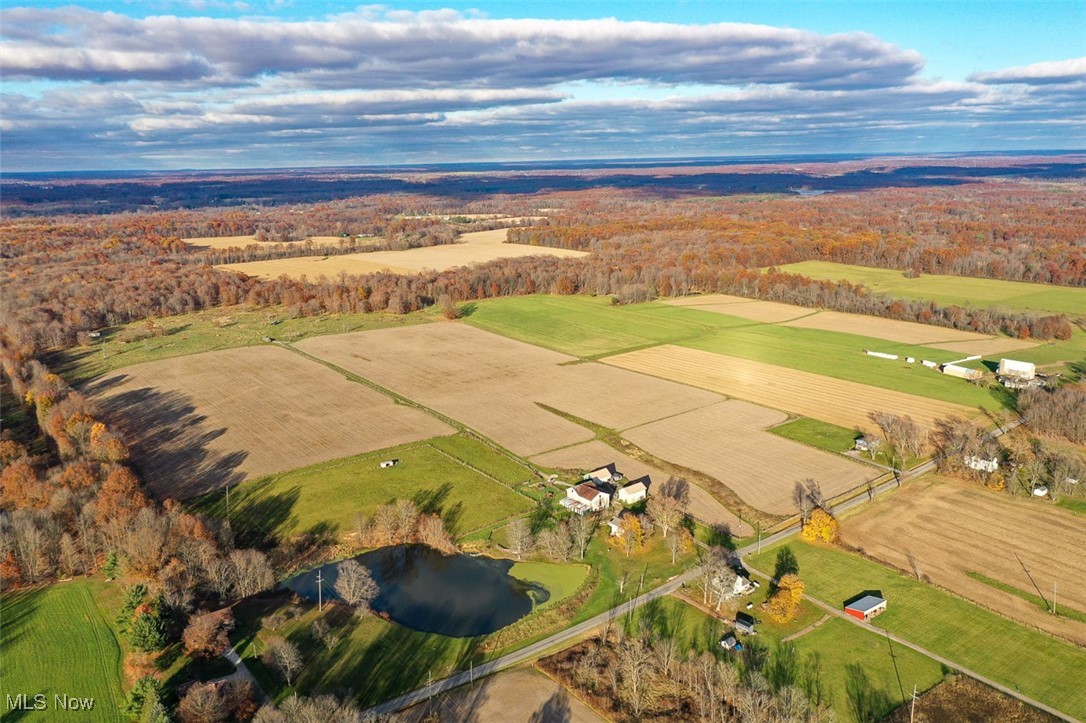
(866, 607)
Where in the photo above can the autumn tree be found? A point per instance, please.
(821, 527)
(207, 635)
(631, 533)
(782, 606)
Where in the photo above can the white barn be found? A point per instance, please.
(1017, 369)
(633, 493)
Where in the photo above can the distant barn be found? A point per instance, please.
(866, 607)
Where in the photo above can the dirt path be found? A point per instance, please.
(806, 630)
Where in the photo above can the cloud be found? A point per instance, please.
(1056, 71)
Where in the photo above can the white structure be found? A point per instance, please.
(1017, 369)
(953, 370)
(633, 493)
(615, 523)
(1040, 491)
(980, 464)
(584, 498)
(879, 354)
(929, 364)
(603, 475)
(389, 463)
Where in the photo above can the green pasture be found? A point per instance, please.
(818, 434)
(326, 497)
(1039, 665)
(561, 581)
(960, 290)
(57, 640)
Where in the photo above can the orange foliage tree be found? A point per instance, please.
(821, 527)
(783, 605)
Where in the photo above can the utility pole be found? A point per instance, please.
(320, 597)
(912, 707)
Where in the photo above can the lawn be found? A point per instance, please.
(326, 497)
(814, 433)
(561, 581)
(1038, 665)
(208, 330)
(57, 641)
(960, 290)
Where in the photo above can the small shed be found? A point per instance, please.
(389, 463)
(866, 607)
(730, 642)
(745, 624)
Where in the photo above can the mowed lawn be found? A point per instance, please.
(560, 580)
(960, 290)
(56, 641)
(1040, 666)
(327, 497)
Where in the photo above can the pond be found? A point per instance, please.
(424, 589)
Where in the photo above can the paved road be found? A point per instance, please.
(536, 649)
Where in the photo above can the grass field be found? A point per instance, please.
(1042, 667)
(209, 330)
(960, 290)
(561, 581)
(199, 422)
(57, 641)
(327, 496)
(815, 433)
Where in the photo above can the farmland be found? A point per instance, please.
(906, 332)
(1042, 667)
(769, 312)
(837, 401)
(727, 441)
(928, 524)
(960, 290)
(198, 422)
(229, 242)
(435, 475)
(57, 641)
(474, 248)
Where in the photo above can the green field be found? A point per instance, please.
(209, 330)
(561, 581)
(815, 433)
(326, 497)
(960, 290)
(57, 641)
(1040, 666)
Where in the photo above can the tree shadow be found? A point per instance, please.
(556, 709)
(866, 702)
(720, 535)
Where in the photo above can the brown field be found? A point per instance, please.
(832, 400)
(496, 384)
(985, 347)
(950, 528)
(228, 242)
(769, 312)
(906, 332)
(591, 455)
(727, 441)
(524, 694)
(198, 422)
(475, 248)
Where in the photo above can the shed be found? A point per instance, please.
(389, 463)
(745, 624)
(866, 607)
(730, 642)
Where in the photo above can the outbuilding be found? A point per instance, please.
(730, 642)
(866, 607)
(633, 493)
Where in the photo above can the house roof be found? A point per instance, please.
(634, 488)
(866, 603)
(586, 491)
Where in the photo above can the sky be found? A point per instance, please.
(171, 84)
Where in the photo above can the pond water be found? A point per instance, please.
(424, 589)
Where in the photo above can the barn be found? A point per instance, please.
(866, 607)
(1017, 369)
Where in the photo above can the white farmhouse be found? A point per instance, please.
(586, 497)
(982, 464)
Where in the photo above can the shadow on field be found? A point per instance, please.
(169, 441)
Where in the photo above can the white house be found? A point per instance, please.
(981, 464)
(633, 493)
(586, 497)
(603, 475)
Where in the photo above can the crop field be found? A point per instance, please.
(906, 332)
(475, 248)
(591, 455)
(727, 441)
(1033, 662)
(195, 423)
(495, 384)
(230, 242)
(769, 312)
(330, 494)
(946, 528)
(837, 401)
(960, 290)
(56, 641)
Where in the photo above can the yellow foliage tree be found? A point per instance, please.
(784, 603)
(821, 527)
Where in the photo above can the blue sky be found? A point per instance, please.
(213, 84)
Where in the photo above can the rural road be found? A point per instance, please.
(569, 634)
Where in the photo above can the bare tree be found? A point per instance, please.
(252, 572)
(814, 492)
(674, 545)
(407, 515)
(355, 585)
(714, 564)
(582, 527)
(665, 511)
(520, 537)
(636, 667)
(384, 522)
(219, 572)
(802, 502)
(204, 703)
(556, 542)
(324, 633)
(677, 489)
(283, 656)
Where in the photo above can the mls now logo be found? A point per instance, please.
(39, 701)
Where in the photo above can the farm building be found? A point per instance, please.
(745, 624)
(866, 607)
(866, 444)
(1017, 369)
(389, 463)
(730, 642)
(585, 497)
(633, 492)
(604, 475)
(953, 370)
(981, 464)
(615, 523)
(881, 354)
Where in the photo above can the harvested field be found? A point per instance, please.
(727, 441)
(475, 248)
(837, 401)
(906, 332)
(201, 421)
(591, 455)
(229, 242)
(950, 528)
(999, 345)
(769, 312)
(493, 383)
(517, 695)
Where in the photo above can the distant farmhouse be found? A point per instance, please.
(982, 464)
(1018, 375)
(598, 489)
